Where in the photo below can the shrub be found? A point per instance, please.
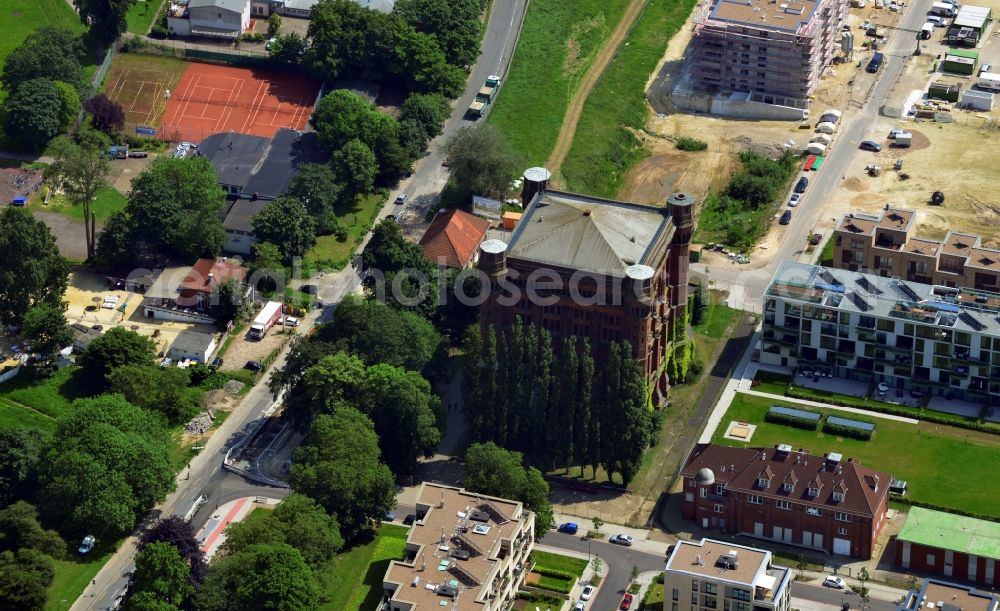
(691, 144)
(793, 421)
(556, 573)
(840, 430)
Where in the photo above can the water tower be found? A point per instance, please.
(535, 180)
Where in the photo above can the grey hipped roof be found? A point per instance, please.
(229, 5)
(240, 217)
(192, 341)
(259, 165)
(586, 233)
(234, 156)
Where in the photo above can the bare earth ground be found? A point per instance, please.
(604, 57)
(243, 349)
(124, 170)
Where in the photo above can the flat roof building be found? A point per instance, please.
(699, 573)
(918, 338)
(192, 345)
(933, 595)
(774, 50)
(950, 545)
(464, 551)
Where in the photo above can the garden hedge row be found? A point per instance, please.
(896, 410)
(846, 431)
(942, 508)
(789, 420)
(554, 573)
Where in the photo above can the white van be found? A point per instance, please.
(927, 30)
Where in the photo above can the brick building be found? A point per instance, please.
(953, 546)
(786, 495)
(700, 573)
(886, 245)
(775, 52)
(596, 268)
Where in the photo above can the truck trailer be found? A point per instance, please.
(989, 80)
(265, 320)
(487, 93)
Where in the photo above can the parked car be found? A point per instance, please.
(389, 516)
(291, 321)
(253, 366)
(621, 539)
(794, 200)
(800, 186)
(86, 545)
(895, 132)
(401, 199)
(985, 68)
(876, 63)
(626, 603)
(870, 145)
(579, 606)
(832, 581)
(569, 528)
(588, 591)
(786, 218)
(309, 289)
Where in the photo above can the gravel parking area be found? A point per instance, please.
(243, 349)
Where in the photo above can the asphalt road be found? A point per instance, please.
(205, 475)
(747, 286)
(829, 596)
(617, 568)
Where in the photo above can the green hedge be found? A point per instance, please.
(897, 410)
(555, 584)
(794, 421)
(840, 430)
(961, 512)
(554, 573)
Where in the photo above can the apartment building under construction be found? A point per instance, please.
(773, 50)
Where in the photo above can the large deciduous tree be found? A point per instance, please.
(80, 171)
(48, 52)
(35, 113)
(179, 533)
(341, 116)
(339, 465)
(25, 578)
(115, 348)
(286, 224)
(493, 470)
(162, 572)
(482, 162)
(453, 23)
(355, 167)
(298, 521)
(316, 186)
(262, 576)
(115, 245)
(20, 528)
(45, 329)
(108, 463)
(429, 110)
(174, 205)
(390, 255)
(166, 390)
(20, 452)
(106, 18)
(31, 270)
(106, 115)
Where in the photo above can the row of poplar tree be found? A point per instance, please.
(551, 403)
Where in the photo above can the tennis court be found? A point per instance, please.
(211, 98)
(139, 83)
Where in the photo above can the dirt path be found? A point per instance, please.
(593, 74)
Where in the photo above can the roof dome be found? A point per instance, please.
(704, 477)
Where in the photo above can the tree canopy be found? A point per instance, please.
(179, 533)
(117, 347)
(339, 466)
(495, 471)
(355, 167)
(80, 171)
(316, 186)
(285, 223)
(482, 163)
(163, 574)
(106, 18)
(25, 578)
(106, 115)
(261, 576)
(20, 528)
(389, 254)
(174, 205)
(49, 53)
(453, 23)
(428, 110)
(377, 333)
(45, 329)
(298, 521)
(108, 463)
(166, 390)
(20, 452)
(114, 243)
(35, 113)
(31, 270)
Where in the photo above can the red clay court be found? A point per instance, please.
(211, 99)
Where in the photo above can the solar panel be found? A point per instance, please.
(910, 293)
(828, 277)
(868, 286)
(970, 320)
(860, 303)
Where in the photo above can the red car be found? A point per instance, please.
(626, 603)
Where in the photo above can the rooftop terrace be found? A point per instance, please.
(728, 562)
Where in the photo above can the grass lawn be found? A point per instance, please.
(558, 562)
(329, 252)
(604, 148)
(654, 598)
(73, 576)
(935, 459)
(771, 382)
(717, 317)
(826, 255)
(141, 15)
(557, 45)
(107, 202)
(50, 396)
(16, 416)
(356, 579)
(22, 17)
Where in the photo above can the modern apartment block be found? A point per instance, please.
(940, 595)
(787, 495)
(464, 551)
(917, 338)
(712, 575)
(596, 268)
(886, 245)
(776, 50)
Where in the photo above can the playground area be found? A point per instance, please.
(139, 83)
(212, 98)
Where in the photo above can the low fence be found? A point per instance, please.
(220, 53)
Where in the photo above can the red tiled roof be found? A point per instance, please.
(206, 272)
(454, 237)
(739, 469)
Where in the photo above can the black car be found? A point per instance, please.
(875, 63)
(870, 145)
(216, 362)
(800, 187)
(786, 218)
(253, 366)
